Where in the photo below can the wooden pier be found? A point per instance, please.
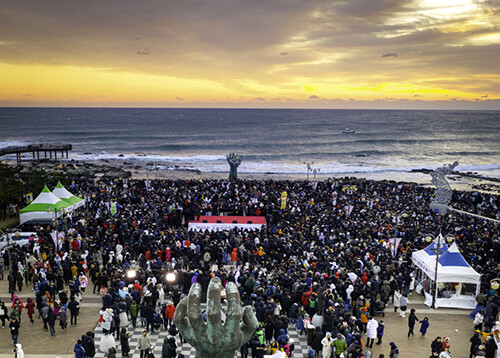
(52, 149)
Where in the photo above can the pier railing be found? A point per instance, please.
(37, 148)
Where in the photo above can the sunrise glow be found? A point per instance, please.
(278, 54)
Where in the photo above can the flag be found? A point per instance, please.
(283, 200)
(112, 208)
(393, 246)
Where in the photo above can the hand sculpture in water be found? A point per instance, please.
(214, 339)
(234, 161)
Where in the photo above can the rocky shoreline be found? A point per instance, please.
(469, 181)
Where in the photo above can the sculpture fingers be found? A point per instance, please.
(214, 304)
(182, 322)
(233, 302)
(234, 310)
(250, 323)
(194, 310)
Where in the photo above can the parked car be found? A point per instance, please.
(16, 238)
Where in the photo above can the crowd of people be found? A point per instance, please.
(322, 262)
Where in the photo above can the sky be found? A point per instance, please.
(409, 54)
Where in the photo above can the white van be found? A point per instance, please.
(16, 238)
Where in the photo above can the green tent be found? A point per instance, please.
(63, 194)
(44, 208)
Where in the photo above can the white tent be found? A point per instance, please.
(63, 194)
(44, 208)
(458, 282)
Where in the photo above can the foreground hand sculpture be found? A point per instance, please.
(234, 161)
(214, 339)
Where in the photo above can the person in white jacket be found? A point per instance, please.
(19, 353)
(326, 342)
(397, 300)
(371, 332)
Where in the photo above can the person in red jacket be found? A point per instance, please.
(234, 257)
(169, 314)
(364, 278)
(30, 307)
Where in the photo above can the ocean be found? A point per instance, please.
(277, 141)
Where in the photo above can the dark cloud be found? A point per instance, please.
(179, 98)
(144, 52)
(484, 96)
(259, 99)
(314, 97)
(232, 43)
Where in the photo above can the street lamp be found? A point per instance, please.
(131, 274)
(437, 250)
(170, 277)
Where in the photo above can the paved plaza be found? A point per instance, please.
(38, 343)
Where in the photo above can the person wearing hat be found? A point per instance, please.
(144, 343)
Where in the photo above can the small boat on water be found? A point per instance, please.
(348, 131)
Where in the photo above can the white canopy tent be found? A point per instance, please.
(63, 194)
(44, 208)
(458, 283)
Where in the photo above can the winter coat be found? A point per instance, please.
(282, 338)
(107, 316)
(144, 342)
(19, 351)
(412, 319)
(371, 328)
(424, 326)
(111, 353)
(397, 298)
(63, 318)
(79, 351)
(327, 347)
(88, 344)
(339, 344)
(51, 318)
(169, 311)
(403, 301)
(169, 348)
(124, 342)
(316, 340)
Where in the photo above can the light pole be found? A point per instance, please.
(437, 250)
(308, 166)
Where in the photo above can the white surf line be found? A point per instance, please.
(471, 214)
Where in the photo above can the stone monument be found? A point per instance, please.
(215, 338)
(234, 161)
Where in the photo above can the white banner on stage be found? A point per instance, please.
(195, 226)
